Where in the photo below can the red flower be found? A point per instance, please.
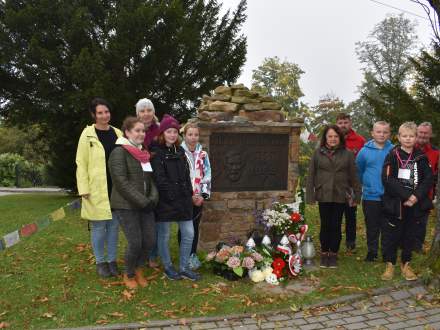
(277, 272)
(278, 264)
(295, 217)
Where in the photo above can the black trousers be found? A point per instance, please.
(140, 232)
(197, 215)
(350, 224)
(331, 219)
(400, 233)
(374, 222)
(421, 232)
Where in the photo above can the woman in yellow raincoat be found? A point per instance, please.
(94, 186)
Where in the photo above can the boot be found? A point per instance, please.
(332, 260)
(407, 272)
(130, 282)
(389, 272)
(324, 260)
(113, 268)
(103, 270)
(140, 278)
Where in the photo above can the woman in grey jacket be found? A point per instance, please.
(133, 198)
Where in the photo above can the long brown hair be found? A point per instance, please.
(337, 130)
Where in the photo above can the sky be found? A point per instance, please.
(320, 37)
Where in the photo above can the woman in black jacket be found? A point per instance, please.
(172, 176)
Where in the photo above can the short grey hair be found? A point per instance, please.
(426, 123)
(144, 104)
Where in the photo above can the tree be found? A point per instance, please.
(281, 81)
(385, 56)
(325, 112)
(57, 55)
(387, 70)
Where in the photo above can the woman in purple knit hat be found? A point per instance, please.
(172, 177)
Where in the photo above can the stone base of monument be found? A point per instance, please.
(254, 155)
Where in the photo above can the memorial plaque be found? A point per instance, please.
(249, 162)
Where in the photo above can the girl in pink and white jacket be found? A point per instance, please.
(200, 171)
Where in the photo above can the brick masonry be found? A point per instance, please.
(229, 216)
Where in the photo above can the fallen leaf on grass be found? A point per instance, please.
(146, 314)
(48, 315)
(127, 295)
(81, 247)
(116, 314)
(4, 325)
(101, 322)
(294, 308)
(152, 277)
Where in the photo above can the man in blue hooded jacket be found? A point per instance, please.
(369, 162)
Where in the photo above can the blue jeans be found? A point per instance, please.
(163, 237)
(153, 253)
(105, 232)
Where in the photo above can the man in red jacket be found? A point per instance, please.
(353, 142)
(424, 134)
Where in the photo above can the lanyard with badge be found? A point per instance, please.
(404, 173)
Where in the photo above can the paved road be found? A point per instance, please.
(11, 190)
(407, 308)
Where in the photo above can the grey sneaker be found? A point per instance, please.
(103, 270)
(190, 275)
(172, 274)
(194, 262)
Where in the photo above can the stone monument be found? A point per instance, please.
(254, 154)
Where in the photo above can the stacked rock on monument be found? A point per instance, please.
(238, 100)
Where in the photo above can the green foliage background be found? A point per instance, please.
(55, 56)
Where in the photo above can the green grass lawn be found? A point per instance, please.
(48, 280)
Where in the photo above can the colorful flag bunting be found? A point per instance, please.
(43, 223)
(28, 230)
(58, 214)
(11, 238)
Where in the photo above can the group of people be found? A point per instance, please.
(396, 185)
(142, 178)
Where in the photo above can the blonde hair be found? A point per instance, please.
(188, 126)
(382, 123)
(409, 125)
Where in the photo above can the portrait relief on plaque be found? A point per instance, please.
(249, 161)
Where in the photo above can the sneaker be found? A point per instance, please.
(172, 274)
(332, 260)
(324, 260)
(389, 272)
(371, 257)
(113, 268)
(407, 272)
(103, 270)
(190, 275)
(194, 262)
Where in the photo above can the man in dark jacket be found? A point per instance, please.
(353, 142)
